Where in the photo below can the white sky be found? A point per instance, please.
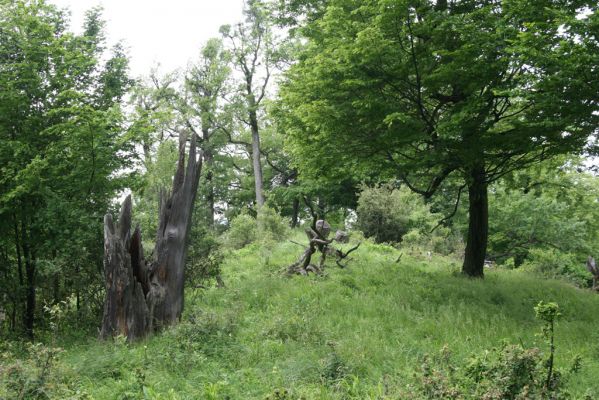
(168, 32)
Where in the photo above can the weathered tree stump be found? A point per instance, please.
(144, 295)
(318, 241)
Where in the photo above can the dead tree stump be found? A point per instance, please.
(144, 295)
(318, 241)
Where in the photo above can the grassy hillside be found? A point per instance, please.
(356, 333)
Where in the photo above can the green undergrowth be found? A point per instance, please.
(355, 333)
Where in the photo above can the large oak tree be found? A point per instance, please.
(424, 91)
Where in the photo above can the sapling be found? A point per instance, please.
(548, 313)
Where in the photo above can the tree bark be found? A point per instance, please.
(295, 215)
(478, 224)
(29, 316)
(257, 164)
(143, 296)
(208, 162)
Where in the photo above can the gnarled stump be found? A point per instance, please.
(144, 295)
(318, 240)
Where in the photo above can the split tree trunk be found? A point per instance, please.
(478, 225)
(144, 295)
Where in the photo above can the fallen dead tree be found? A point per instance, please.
(318, 241)
(142, 294)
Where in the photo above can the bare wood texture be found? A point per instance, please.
(318, 241)
(144, 295)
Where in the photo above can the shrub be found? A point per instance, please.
(387, 214)
(554, 264)
(242, 231)
(271, 225)
(267, 227)
(33, 377)
(508, 372)
(205, 257)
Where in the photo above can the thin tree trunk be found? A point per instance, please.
(321, 211)
(18, 249)
(209, 162)
(19, 291)
(28, 318)
(30, 303)
(478, 225)
(256, 162)
(295, 215)
(13, 316)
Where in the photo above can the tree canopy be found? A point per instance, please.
(60, 145)
(422, 91)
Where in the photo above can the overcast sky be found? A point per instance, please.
(169, 32)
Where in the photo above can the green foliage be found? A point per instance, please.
(265, 332)
(271, 226)
(282, 394)
(204, 332)
(204, 256)
(554, 264)
(387, 214)
(507, 372)
(429, 92)
(242, 231)
(31, 375)
(63, 154)
(267, 227)
(549, 206)
(158, 177)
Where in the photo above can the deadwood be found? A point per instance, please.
(318, 242)
(143, 295)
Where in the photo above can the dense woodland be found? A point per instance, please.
(335, 199)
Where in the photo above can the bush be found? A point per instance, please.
(271, 225)
(204, 257)
(508, 372)
(554, 264)
(245, 229)
(387, 214)
(390, 215)
(242, 231)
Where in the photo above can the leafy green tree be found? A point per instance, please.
(61, 147)
(428, 91)
(206, 85)
(254, 54)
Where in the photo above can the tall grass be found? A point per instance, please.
(355, 333)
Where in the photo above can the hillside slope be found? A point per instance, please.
(358, 333)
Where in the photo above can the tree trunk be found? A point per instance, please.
(143, 296)
(478, 224)
(321, 208)
(30, 304)
(256, 156)
(19, 291)
(208, 162)
(295, 215)
(28, 318)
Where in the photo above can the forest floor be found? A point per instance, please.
(354, 333)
